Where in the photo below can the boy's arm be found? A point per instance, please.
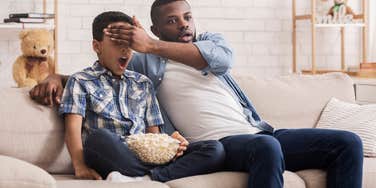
(49, 91)
(73, 124)
(153, 129)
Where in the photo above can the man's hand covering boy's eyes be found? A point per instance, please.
(133, 36)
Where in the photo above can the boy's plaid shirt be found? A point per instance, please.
(126, 106)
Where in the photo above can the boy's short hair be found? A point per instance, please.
(156, 5)
(106, 18)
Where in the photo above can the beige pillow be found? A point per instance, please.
(20, 174)
(359, 119)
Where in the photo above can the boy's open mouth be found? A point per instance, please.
(123, 62)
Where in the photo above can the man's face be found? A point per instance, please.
(175, 23)
(112, 55)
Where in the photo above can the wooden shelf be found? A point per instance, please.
(311, 17)
(17, 26)
(358, 74)
(50, 24)
(340, 25)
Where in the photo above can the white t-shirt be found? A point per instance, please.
(201, 107)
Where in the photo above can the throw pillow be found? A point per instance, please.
(359, 119)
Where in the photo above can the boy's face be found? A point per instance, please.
(175, 23)
(112, 55)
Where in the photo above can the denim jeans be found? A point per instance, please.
(265, 156)
(105, 152)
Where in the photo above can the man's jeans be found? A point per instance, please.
(105, 152)
(265, 156)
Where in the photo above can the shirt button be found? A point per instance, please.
(159, 79)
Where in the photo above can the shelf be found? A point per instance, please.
(360, 21)
(358, 74)
(17, 26)
(309, 17)
(340, 25)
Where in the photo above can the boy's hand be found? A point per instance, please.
(133, 36)
(183, 143)
(49, 91)
(84, 172)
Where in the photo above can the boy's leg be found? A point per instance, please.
(105, 152)
(340, 153)
(199, 158)
(258, 155)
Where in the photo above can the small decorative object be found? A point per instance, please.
(35, 63)
(152, 148)
(340, 12)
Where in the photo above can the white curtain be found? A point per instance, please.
(372, 31)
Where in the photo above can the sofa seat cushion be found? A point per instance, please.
(32, 132)
(317, 178)
(107, 184)
(369, 172)
(295, 101)
(19, 174)
(69, 181)
(229, 180)
(313, 178)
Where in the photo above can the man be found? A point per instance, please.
(201, 100)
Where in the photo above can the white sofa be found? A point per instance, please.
(33, 153)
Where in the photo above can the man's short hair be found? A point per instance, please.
(106, 18)
(156, 5)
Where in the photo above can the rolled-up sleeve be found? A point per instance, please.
(216, 52)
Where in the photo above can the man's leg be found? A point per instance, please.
(200, 158)
(340, 153)
(259, 155)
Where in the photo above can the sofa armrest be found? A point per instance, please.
(20, 174)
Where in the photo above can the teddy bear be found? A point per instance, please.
(35, 63)
(340, 9)
(156, 149)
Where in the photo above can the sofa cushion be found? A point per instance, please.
(19, 174)
(317, 178)
(313, 178)
(359, 119)
(229, 179)
(295, 101)
(369, 172)
(107, 184)
(32, 132)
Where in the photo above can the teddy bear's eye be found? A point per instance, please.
(35, 47)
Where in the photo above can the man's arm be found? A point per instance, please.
(74, 143)
(137, 38)
(186, 53)
(50, 90)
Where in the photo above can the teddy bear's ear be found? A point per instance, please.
(23, 34)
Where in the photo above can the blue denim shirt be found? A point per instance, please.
(219, 57)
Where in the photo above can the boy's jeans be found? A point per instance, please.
(265, 156)
(105, 152)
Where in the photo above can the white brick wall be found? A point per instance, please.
(258, 30)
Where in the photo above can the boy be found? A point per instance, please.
(109, 103)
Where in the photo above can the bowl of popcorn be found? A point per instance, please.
(152, 148)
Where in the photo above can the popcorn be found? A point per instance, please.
(152, 148)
